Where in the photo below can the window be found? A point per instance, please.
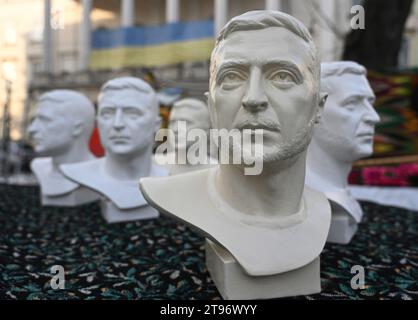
(10, 34)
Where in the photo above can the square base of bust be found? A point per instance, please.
(234, 283)
(113, 214)
(343, 227)
(78, 197)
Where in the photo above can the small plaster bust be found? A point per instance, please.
(60, 131)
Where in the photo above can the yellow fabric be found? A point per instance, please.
(152, 56)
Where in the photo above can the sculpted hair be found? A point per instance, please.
(131, 83)
(263, 19)
(195, 104)
(190, 103)
(75, 105)
(337, 69)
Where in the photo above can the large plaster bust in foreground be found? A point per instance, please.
(61, 130)
(264, 75)
(344, 135)
(128, 117)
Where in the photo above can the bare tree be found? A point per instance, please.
(377, 46)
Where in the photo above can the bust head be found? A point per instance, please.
(128, 116)
(62, 119)
(194, 113)
(265, 74)
(347, 126)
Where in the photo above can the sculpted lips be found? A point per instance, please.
(265, 125)
(36, 140)
(119, 138)
(366, 134)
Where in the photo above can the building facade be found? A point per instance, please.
(79, 44)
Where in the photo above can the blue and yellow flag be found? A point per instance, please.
(152, 46)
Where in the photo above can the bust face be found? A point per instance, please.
(348, 120)
(262, 81)
(194, 117)
(52, 128)
(126, 122)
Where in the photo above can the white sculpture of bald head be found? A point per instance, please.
(192, 111)
(186, 115)
(344, 134)
(62, 126)
(128, 117)
(269, 222)
(60, 130)
(348, 121)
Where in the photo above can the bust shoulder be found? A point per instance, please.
(51, 180)
(186, 198)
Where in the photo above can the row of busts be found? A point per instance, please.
(265, 231)
(69, 175)
(127, 119)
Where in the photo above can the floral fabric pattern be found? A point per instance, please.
(164, 259)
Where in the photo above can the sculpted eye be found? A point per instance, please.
(106, 113)
(232, 79)
(133, 113)
(350, 104)
(283, 77)
(232, 76)
(44, 119)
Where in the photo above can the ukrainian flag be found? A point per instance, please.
(152, 46)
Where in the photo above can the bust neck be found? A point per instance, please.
(324, 172)
(129, 167)
(180, 155)
(276, 192)
(78, 152)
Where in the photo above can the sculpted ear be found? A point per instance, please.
(158, 122)
(211, 108)
(78, 128)
(322, 99)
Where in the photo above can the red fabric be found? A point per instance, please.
(95, 145)
(402, 175)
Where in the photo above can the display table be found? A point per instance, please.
(405, 197)
(164, 259)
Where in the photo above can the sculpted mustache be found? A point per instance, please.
(258, 124)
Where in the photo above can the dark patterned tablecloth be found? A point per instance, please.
(164, 259)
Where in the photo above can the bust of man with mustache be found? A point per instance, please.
(344, 135)
(128, 117)
(264, 74)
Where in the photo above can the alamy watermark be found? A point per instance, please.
(357, 21)
(58, 278)
(235, 146)
(358, 280)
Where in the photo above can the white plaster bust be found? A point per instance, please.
(61, 130)
(193, 114)
(344, 134)
(128, 117)
(265, 74)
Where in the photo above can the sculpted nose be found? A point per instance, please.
(371, 117)
(32, 128)
(255, 99)
(118, 122)
(254, 105)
